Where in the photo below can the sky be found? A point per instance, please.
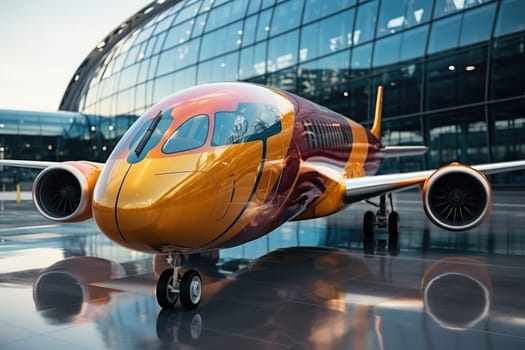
(42, 43)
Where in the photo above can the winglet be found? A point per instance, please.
(376, 128)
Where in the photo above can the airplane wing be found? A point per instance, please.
(35, 164)
(370, 186)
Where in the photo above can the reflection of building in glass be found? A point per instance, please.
(453, 70)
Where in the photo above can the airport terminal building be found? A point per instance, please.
(453, 71)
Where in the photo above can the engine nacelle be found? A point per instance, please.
(457, 197)
(64, 192)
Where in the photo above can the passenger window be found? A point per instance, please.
(250, 122)
(190, 135)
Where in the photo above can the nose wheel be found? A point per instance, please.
(382, 219)
(171, 285)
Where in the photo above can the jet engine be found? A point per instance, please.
(63, 192)
(457, 197)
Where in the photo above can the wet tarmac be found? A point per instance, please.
(308, 285)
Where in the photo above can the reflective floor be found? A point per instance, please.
(308, 285)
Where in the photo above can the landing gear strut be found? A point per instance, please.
(171, 285)
(382, 219)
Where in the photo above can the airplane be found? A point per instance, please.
(218, 165)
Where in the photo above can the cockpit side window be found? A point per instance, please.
(249, 122)
(190, 135)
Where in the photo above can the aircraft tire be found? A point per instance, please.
(368, 232)
(190, 290)
(165, 297)
(393, 233)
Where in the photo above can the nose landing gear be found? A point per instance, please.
(170, 285)
(382, 219)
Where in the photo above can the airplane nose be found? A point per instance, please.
(165, 211)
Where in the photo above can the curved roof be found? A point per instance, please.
(71, 97)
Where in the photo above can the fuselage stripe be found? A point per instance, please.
(116, 204)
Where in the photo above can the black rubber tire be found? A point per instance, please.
(369, 243)
(393, 233)
(165, 297)
(190, 290)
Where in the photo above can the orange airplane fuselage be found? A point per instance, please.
(219, 165)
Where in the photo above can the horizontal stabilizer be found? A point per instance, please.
(403, 151)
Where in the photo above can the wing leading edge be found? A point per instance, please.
(370, 186)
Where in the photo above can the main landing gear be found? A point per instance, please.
(382, 219)
(171, 285)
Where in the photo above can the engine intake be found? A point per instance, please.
(457, 197)
(63, 192)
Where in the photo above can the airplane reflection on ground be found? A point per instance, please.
(307, 297)
(64, 286)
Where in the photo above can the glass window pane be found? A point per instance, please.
(335, 33)
(325, 80)
(286, 16)
(263, 25)
(361, 60)
(456, 79)
(402, 132)
(184, 78)
(233, 11)
(458, 135)
(253, 6)
(223, 68)
(159, 43)
(285, 79)
(358, 96)
(391, 16)
(365, 22)
(414, 42)
(163, 25)
(387, 51)
(178, 34)
(326, 36)
(309, 46)
(282, 51)
(507, 71)
(150, 46)
(401, 84)
(163, 87)
(248, 32)
(510, 17)
(253, 61)
(190, 135)
(186, 54)
(471, 30)
(187, 13)
(447, 28)
(199, 24)
(418, 11)
(446, 7)
(267, 3)
(128, 77)
(222, 40)
(315, 9)
(507, 121)
(166, 62)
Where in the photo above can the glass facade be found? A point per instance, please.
(453, 70)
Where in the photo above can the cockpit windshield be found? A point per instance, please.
(190, 135)
(251, 121)
(149, 135)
